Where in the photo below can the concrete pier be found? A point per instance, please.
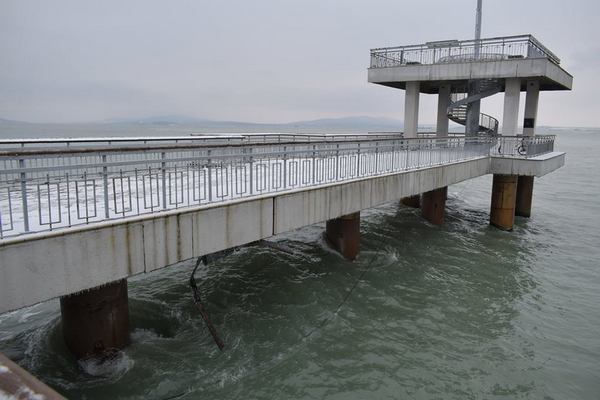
(343, 234)
(504, 193)
(433, 205)
(524, 196)
(96, 321)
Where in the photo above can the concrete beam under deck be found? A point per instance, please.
(39, 267)
(432, 76)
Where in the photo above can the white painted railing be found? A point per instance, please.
(54, 185)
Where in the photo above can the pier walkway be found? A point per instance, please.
(79, 213)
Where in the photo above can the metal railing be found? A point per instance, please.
(522, 146)
(487, 123)
(49, 188)
(454, 51)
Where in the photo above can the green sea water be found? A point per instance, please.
(461, 311)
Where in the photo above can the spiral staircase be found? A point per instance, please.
(457, 111)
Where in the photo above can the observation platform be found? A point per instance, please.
(455, 62)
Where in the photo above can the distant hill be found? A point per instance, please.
(166, 125)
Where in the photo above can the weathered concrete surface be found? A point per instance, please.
(343, 234)
(306, 207)
(96, 321)
(433, 205)
(504, 195)
(524, 196)
(550, 75)
(535, 166)
(38, 267)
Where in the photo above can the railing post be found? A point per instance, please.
(209, 177)
(250, 160)
(163, 166)
(284, 167)
(24, 196)
(337, 162)
(358, 161)
(105, 183)
(313, 164)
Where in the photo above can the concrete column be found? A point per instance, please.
(504, 193)
(343, 234)
(411, 109)
(510, 118)
(433, 205)
(442, 113)
(97, 320)
(524, 196)
(531, 107)
(473, 111)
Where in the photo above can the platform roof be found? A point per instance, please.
(454, 62)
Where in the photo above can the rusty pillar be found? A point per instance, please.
(433, 205)
(524, 196)
(96, 321)
(343, 234)
(504, 196)
(411, 201)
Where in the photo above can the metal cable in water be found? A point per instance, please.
(200, 307)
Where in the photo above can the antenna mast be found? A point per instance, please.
(477, 28)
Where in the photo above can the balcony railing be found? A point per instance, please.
(454, 51)
(50, 187)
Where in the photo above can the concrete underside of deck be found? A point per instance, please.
(431, 77)
(39, 267)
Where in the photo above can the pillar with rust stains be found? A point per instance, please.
(96, 321)
(343, 234)
(504, 196)
(524, 196)
(433, 205)
(411, 201)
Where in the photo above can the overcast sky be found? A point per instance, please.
(262, 61)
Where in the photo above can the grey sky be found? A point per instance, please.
(263, 61)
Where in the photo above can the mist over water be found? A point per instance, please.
(461, 311)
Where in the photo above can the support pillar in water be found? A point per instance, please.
(524, 196)
(433, 205)
(343, 234)
(96, 321)
(504, 196)
(411, 201)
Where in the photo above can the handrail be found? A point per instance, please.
(491, 49)
(48, 189)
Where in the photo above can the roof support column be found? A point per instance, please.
(442, 114)
(510, 117)
(531, 107)
(411, 109)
